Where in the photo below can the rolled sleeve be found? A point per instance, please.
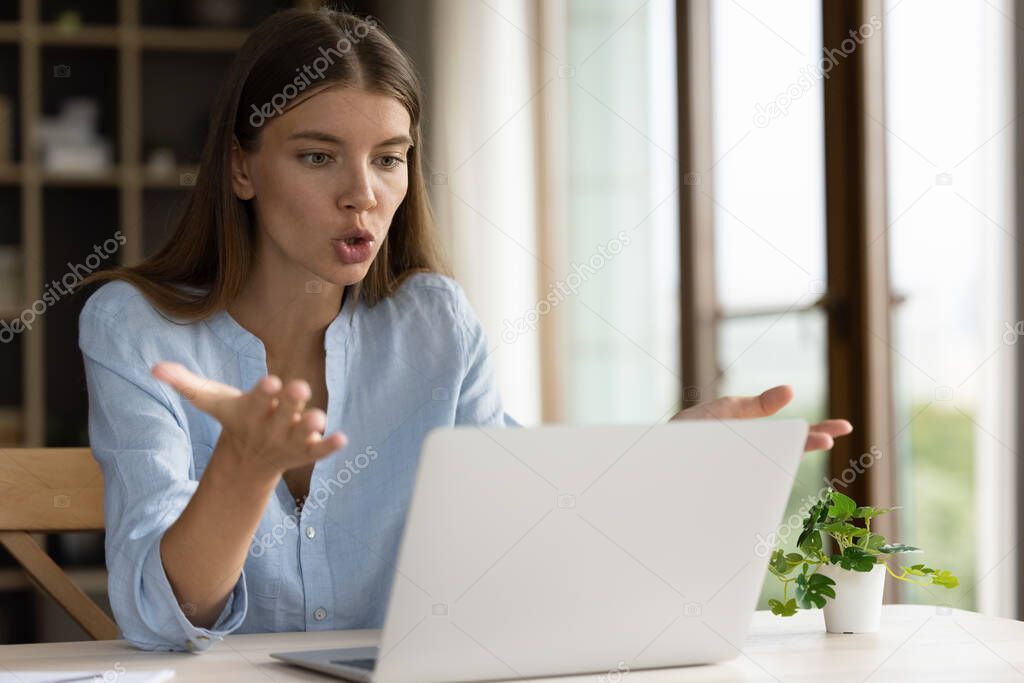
(137, 434)
(193, 638)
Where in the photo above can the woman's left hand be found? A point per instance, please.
(821, 436)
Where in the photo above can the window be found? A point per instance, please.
(949, 150)
(767, 189)
(623, 358)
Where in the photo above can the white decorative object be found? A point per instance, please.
(161, 162)
(71, 142)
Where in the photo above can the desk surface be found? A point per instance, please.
(915, 643)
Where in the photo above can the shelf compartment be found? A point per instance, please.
(11, 357)
(83, 36)
(88, 11)
(82, 72)
(196, 14)
(76, 222)
(10, 113)
(170, 120)
(192, 40)
(162, 209)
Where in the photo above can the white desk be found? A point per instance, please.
(916, 643)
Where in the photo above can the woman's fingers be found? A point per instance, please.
(309, 427)
(818, 441)
(833, 428)
(307, 434)
(271, 419)
(208, 395)
(764, 404)
(263, 397)
(315, 420)
(770, 401)
(326, 446)
(820, 437)
(291, 402)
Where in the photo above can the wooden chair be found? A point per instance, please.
(52, 490)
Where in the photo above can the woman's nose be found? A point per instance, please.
(357, 191)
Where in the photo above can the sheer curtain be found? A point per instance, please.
(553, 158)
(950, 175)
(482, 168)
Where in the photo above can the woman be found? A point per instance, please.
(301, 292)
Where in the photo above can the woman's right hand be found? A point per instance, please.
(267, 429)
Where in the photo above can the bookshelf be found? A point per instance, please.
(152, 70)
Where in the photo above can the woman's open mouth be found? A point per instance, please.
(353, 249)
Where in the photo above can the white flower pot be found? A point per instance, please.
(857, 607)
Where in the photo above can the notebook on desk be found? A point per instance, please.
(117, 673)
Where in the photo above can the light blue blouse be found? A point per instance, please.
(415, 361)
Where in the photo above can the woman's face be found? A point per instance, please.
(326, 181)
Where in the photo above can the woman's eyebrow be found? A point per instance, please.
(397, 140)
(327, 137)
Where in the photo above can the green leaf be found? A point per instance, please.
(812, 544)
(942, 577)
(782, 564)
(868, 512)
(823, 510)
(844, 529)
(812, 589)
(778, 562)
(810, 520)
(875, 542)
(855, 559)
(786, 609)
(898, 548)
(842, 507)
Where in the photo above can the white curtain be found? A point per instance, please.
(481, 166)
(546, 147)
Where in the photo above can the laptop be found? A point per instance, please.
(534, 552)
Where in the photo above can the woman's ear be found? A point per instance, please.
(241, 180)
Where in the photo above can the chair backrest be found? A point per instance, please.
(52, 490)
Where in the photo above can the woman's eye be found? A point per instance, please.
(316, 158)
(392, 162)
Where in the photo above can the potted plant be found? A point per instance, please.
(848, 582)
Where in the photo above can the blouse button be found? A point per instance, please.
(310, 532)
(320, 614)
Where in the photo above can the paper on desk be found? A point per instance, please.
(116, 674)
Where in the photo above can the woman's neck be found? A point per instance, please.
(288, 311)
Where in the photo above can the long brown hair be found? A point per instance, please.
(208, 259)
